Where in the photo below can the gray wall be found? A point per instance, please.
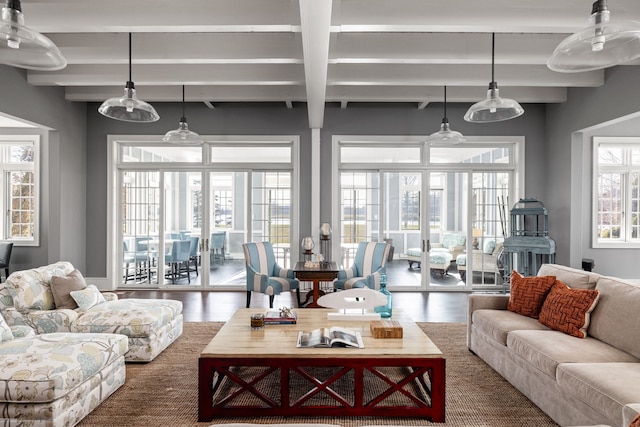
(62, 223)
(565, 167)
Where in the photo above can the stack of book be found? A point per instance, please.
(274, 317)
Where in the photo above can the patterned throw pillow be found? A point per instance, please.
(569, 310)
(61, 287)
(635, 422)
(88, 297)
(528, 293)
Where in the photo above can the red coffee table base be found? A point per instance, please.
(398, 387)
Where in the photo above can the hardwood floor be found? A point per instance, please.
(218, 306)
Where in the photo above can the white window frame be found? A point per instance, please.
(626, 169)
(5, 200)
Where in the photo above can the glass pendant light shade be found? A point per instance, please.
(183, 135)
(493, 108)
(445, 136)
(23, 47)
(601, 45)
(129, 108)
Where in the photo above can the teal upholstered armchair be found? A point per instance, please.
(264, 275)
(369, 262)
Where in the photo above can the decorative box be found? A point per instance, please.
(385, 329)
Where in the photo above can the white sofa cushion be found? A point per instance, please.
(46, 367)
(131, 317)
(606, 386)
(572, 277)
(498, 323)
(547, 349)
(615, 319)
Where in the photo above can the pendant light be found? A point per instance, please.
(23, 47)
(183, 135)
(494, 108)
(601, 45)
(445, 136)
(129, 108)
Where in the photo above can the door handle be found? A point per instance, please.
(426, 244)
(207, 244)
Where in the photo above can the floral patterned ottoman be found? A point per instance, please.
(57, 379)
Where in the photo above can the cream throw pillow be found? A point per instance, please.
(88, 297)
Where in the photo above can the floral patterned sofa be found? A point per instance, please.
(56, 379)
(27, 298)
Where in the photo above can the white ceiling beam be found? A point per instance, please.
(187, 48)
(423, 105)
(343, 104)
(289, 104)
(541, 16)
(341, 94)
(440, 48)
(418, 94)
(209, 105)
(244, 93)
(70, 16)
(171, 74)
(459, 75)
(315, 21)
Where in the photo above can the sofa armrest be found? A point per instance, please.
(484, 302)
(110, 296)
(629, 412)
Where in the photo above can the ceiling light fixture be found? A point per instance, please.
(183, 135)
(129, 108)
(23, 47)
(493, 108)
(445, 136)
(601, 45)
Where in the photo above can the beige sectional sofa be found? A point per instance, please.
(151, 325)
(576, 381)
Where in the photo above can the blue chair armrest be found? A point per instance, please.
(253, 275)
(346, 274)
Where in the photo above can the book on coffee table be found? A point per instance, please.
(275, 317)
(330, 337)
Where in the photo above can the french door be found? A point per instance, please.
(179, 215)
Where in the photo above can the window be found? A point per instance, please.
(616, 203)
(410, 185)
(18, 164)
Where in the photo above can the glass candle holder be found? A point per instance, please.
(257, 321)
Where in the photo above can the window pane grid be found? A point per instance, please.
(22, 204)
(609, 206)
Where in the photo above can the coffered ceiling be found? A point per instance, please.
(313, 51)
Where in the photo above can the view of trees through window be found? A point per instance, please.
(618, 196)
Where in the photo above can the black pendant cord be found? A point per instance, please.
(493, 55)
(130, 57)
(445, 102)
(183, 117)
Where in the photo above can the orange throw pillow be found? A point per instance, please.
(569, 310)
(528, 293)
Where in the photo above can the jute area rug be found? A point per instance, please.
(165, 391)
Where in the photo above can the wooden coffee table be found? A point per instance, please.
(245, 372)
